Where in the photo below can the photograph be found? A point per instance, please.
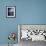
(11, 11)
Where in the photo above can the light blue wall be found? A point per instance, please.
(27, 12)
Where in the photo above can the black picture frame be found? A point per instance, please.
(10, 11)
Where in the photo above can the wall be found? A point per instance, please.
(7, 25)
(27, 12)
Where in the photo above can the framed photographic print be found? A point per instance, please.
(11, 11)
